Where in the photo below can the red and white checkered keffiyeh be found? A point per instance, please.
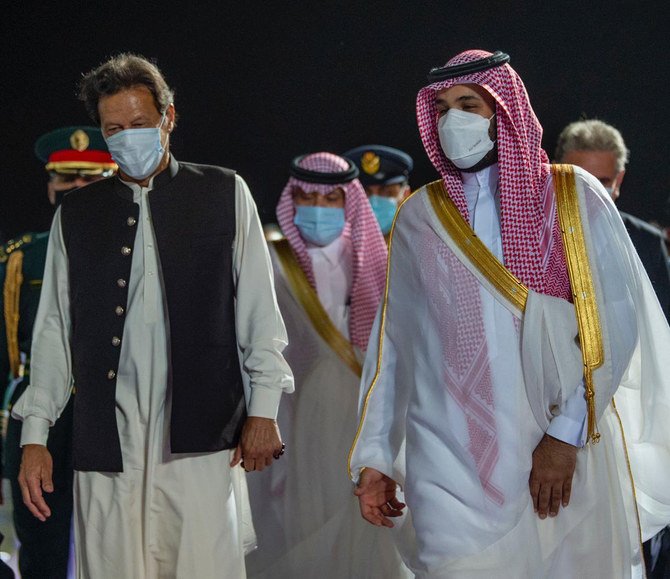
(369, 247)
(530, 232)
(532, 250)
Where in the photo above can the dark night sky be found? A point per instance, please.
(260, 82)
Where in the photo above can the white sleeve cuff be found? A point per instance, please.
(264, 402)
(568, 430)
(35, 430)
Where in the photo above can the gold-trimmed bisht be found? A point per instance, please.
(581, 282)
(310, 302)
(380, 342)
(474, 248)
(510, 286)
(630, 476)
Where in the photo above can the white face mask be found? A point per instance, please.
(137, 152)
(464, 137)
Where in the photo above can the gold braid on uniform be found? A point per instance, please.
(12, 292)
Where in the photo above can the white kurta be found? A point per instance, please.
(318, 530)
(415, 431)
(165, 515)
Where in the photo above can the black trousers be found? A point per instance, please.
(662, 568)
(44, 549)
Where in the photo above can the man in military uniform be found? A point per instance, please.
(74, 157)
(384, 173)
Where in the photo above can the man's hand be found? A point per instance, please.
(377, 498)
(259, 444)
(551, 476)
(35, 477)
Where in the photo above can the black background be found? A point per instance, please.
(260, 82)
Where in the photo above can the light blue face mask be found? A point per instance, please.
(319, 225)
(137, 152)
(384, 209)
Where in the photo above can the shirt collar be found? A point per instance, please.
(484, 178)
(482, 182)
(126, 188)
(332, 252)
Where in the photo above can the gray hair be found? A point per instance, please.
(592, 135)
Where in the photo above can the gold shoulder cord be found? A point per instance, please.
(581, 281)
(11, 294)
(309, 300)
(473, 247)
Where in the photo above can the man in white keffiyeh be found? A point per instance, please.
(475, 397)
(329, 278)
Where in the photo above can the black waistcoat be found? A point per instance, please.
(193, 214)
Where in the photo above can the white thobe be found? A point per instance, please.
(318, 530)
(414, 431)
(165, 515)
(332, 267)
(482, 195)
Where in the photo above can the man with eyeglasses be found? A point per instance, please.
(73, 157)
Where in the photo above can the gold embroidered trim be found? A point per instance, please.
(84, 165)
(630, 474)
(382, 323)
(11, 294)
(473, 247)
(581, 282)
(309, 300)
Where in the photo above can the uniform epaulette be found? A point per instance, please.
(14, 244)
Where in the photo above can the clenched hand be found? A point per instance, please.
(259, 444)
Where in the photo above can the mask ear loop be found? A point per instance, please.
(159, 127)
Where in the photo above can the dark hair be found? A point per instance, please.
(119, 73)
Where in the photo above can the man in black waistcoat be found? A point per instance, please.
(158, 306)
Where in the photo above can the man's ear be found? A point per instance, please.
(616, 186)
(619, 178)
(171, 115)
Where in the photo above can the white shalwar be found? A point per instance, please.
(165, 515)
(309, 522)
(470, 523)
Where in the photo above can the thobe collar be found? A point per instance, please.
(482, 181)
(165, 176)
(332, 252)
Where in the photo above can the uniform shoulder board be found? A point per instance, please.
(14, 244)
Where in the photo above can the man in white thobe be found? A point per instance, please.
(475, 398)
(329, 275)
(144, 508)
